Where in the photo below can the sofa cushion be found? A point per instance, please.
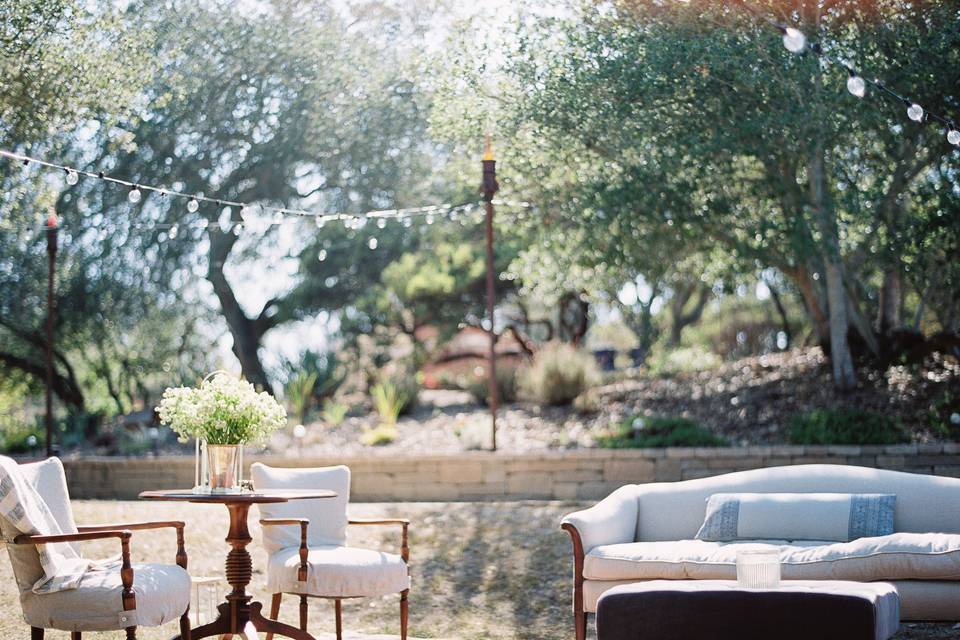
(797, 516)
(899, 556)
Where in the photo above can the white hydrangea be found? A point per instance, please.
(223, 410)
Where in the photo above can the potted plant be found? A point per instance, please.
(223, 414)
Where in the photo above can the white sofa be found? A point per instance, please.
(646, 532)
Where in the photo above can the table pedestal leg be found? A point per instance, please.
(237, 615)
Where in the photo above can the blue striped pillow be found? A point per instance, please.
(797, 516)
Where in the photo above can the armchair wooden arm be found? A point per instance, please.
(128, 598)
(304, 550)
(141, 526)
(403, 522)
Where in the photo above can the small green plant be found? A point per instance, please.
(380, 435)
(639, 432)
(665, 361)
(333, 412)
(389, 400)
(299, 391)
(558, 374)
(479, 388)
(845, 426)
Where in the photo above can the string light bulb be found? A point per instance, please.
(246, 213)
(372, 243)
(322, 255)
(238, 229)
(174, 230)
(429, 218)
(320, 221)
(794, 40)
(381, 223)
(856, 84)
(278, 217)
(192, 205)
(72, 177)
(915, 112)
(134, 196)
(953, 137)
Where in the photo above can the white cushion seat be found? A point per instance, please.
(162, 591)
(338, 572)
(899, 556)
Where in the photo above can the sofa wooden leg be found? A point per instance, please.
(303, 613)
(336, 611)
(404, 613)
(75, 635)
(274, 611)
(36, 633)
(131, 633)
(185, 624)
(580, 622)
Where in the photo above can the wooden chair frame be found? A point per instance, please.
(304, 568)
(124, 532)
(579, 615)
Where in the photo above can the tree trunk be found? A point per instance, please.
(681, 319)
(844, 376)
(782, 312)
(889, 316)
(65, 387)
(247, 332)
(813, 301)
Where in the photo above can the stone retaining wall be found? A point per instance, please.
(555, 475)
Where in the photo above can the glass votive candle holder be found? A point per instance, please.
(758, 569)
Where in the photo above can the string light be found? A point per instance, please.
(382, 222)
(192, 205)
(856, 85)
(372, 243)
(173, 232)
(134, 195)
(322, 255)
(72, 177)
(278, 217)
(794, 40)
(238, 229)
(915, 112)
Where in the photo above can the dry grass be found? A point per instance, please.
(481, 570)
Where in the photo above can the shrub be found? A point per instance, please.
(333, 412)
(506, 386)
(379, 435)
(299, 391)
(659, 431)
(22, 437)
(390, 400)
(666, 362)
(558, 374)
(845, 426)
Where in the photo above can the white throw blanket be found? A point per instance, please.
(24, 508)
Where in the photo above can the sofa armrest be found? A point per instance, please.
(612, 520)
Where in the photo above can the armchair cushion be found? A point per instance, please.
(328, 516)
(338, 572)
(162, 591)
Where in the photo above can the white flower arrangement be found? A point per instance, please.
(222, 410)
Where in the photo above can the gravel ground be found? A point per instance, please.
(748, 402)
(481, 570)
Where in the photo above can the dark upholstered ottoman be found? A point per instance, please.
(720, 610)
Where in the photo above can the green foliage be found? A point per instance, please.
(845, 426)
(479, 386)
(21, 437)
(333, 412)
(666, 361)
(299, 392)
(558, 374)
(380, 435)
(659, 431)
(390, 400)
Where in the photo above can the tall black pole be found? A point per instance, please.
(489, 187)
(52, 224)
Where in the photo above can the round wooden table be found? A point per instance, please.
(239, 615)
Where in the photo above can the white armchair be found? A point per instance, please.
(110, 598)
(307, 545)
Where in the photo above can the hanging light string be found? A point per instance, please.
(795, 41)
(248, 212)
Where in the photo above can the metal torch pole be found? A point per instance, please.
(52, 225)
(489, 187)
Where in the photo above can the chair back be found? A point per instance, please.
(48, 478)
(328, 516)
